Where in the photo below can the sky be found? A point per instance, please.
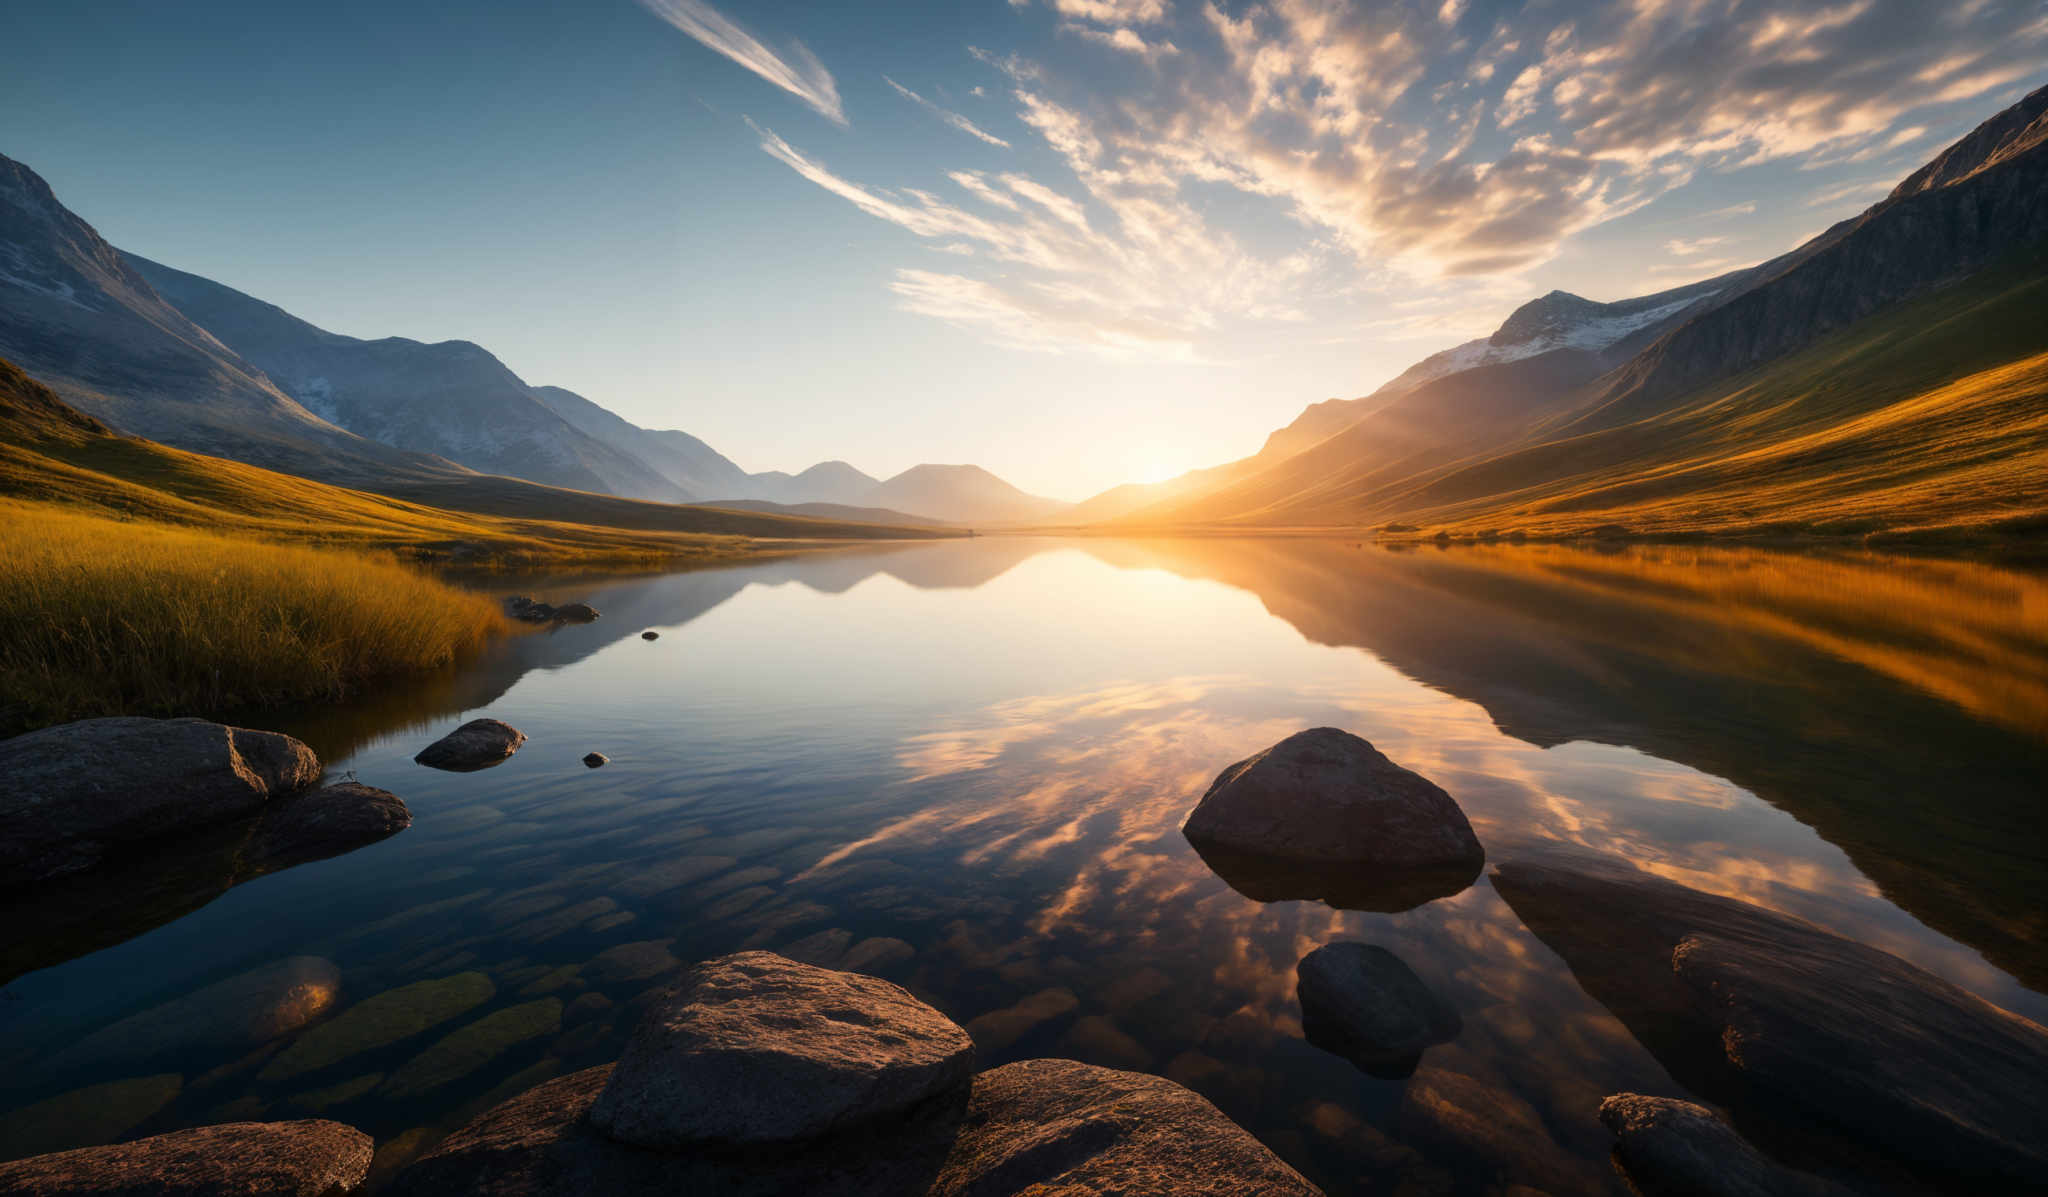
(1078, 242)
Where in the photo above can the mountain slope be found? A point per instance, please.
(684, 460)
(52, 454)
(75, 312)
(1483, 393)
(960, 493)
(453, 398)
(1742, 397)
(1933, 414)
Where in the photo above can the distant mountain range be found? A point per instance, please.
(1886, 377)
(169, 355)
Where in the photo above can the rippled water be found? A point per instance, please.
(967, 763)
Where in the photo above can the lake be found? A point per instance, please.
(963, 766)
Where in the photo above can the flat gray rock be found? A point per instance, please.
(478, 744)
(72, 794)
(313, 1158)
(1672, 1148)
(1323, 814)
(1364, 1003)
(1795, 1030)
(1051, 1126)
(756, 1048)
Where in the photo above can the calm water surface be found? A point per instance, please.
(967, 763)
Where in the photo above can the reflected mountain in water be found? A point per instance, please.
(1817, 683)
(627, 605)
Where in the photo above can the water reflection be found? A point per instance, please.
(964, 766)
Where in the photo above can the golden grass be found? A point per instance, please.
(110, 617)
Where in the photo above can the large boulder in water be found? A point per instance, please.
(1051, 1126)
(1323, 814)
(1672, 1148)
(313, 1158)
(478, 744)
(1364, 1003)
(756, 1048)
(1794, 1029)
(71, 795)
(325, 822)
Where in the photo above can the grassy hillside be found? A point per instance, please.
(1931, 418)
(50, 453)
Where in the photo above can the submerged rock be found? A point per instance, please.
(756, 1048)
(234, 1015)
(469, 1048)
(1051, 1126)
(1364, 1003)
(1672, 1148)
(593, 760)
(478, 744)
(72, 794)
(85, 1116)
(278, 1159)
(1322, 814)
(377, 1021)
(1789, 1025)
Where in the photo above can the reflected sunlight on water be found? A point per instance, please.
(963, 766)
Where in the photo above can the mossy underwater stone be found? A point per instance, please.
(88, 1116)
(469, 1048)
(378, 1021)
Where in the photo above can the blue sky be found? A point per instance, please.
(1078, 241)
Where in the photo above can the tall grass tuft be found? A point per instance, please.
(102, 617)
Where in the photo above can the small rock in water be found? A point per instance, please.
(575, 613)
(478, 744)
(529, 610)
(594, 759)
(1364, 1003)
(650, 635)
(756, 1048)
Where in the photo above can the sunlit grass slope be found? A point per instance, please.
(1929, 420)
(50, 452)
(124, 617)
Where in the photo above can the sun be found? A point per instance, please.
(1153, 464)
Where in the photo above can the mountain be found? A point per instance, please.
(1483, 393)
(452, 398)
(826, 482)
(51, 453)
(681, 458)
(77, 313)
(1880, 372)
(965, 494)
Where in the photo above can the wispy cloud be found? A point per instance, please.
(947, 115)
(1277, 155)
(800, 74)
